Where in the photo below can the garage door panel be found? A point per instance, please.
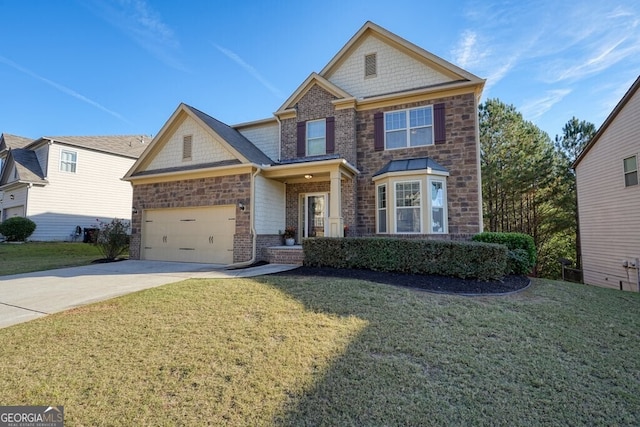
(190, 234)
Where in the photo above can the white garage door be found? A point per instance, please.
(189, 234)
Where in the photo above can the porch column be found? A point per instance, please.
(336, 227)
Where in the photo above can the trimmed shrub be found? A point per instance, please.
(477, 260)
(17, 229)
(512, 241)
(113, 238)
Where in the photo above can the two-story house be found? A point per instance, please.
(382, 141)
(66, 184)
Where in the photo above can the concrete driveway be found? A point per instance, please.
(25, 297)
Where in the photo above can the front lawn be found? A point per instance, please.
(36, 256)
(326, 351)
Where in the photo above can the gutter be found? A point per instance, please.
(252, 221)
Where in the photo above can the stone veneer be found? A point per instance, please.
(202, 192)
(458, 154)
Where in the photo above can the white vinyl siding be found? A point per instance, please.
(264, 136)
(94, 193)
(270, 205)
(609, 220)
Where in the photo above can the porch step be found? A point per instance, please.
(285, 254)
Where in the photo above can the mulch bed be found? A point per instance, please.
(430, 283)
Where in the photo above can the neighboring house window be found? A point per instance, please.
(68, 160)
(370, 65)
(408, 128)
(316, 137)
(631, 171)
(382, 208)
(187, 147)
(408, 207)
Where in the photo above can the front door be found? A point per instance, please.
(316, 214)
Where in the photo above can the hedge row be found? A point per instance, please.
(483, 261)
(522, 249)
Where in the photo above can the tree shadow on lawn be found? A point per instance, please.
(426, 359)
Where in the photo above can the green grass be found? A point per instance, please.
(36, 256)
(326, 351)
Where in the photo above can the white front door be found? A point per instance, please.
(316, 215)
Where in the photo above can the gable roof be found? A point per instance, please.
(433, 61)
(130, 146)
(313, 79)
(625, 99)
(232, 138)
(8, 141)
(27, 166)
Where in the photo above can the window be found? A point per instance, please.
(408, 210)
(382, 208)
(68, 160)
(438, 205)
(630, 171)
(316, 137)
(408, 128)
(187, 147)
(370, 65)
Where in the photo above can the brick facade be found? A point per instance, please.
(217, 191)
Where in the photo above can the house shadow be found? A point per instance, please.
(388, 373)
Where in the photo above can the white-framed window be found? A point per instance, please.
(316, 137)
(370, 65)
(68, 161)
(187, 147)
(408, 207)
(381, 210)
(630, 171)
(415, 204)
(437, 202)
(408, 128)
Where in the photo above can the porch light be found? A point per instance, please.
(308, 176)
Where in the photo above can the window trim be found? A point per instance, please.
(629, 172)
(445, 213)
(426, 212)
(73, 164)
(385, 208)
(308, 139)
(408, 127)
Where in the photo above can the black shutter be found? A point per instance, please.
(440, 136)
(302, 138)
(378, 131)
(331, 134)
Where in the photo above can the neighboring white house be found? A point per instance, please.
(66, 184)
(609, 198)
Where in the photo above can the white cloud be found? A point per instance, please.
(464, 53)
(144, 26)
(251, 70)
(62, 88)
(535, 108)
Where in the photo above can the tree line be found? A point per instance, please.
(528, 184)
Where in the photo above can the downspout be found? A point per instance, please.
(252, 221)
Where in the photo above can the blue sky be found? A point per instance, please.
(94, 67)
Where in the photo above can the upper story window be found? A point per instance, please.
(408, 128)
(68, 161)
(630, 171)
(316, 137)
(187, 147)
(370, 65)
